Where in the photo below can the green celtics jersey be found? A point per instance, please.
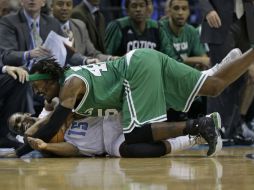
(104, 83)
(186, 44)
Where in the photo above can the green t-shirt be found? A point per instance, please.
(122, 36)
(187, 44)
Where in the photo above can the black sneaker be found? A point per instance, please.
(209, 128)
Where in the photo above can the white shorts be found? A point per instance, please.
(96, 135)
(113, 135)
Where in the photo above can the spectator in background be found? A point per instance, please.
(88, 11)
(22, 34)
(75, 29)
(134, 31)
(183, 38)
(229, 24)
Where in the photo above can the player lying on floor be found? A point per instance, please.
(97, 136)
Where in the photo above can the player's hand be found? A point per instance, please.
(40, 52)
(92, 61)
(70, 50)
(213, 19)
(17, 73)
(36, 144)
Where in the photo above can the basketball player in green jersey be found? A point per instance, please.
(143, 84)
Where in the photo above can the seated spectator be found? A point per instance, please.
(89, 12)
(183, 38)
(134, 31)
(75, 29)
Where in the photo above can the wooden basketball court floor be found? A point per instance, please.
(186, 170)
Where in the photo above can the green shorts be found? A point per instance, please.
(153, 84)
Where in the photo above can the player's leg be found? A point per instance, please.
(207, 127)
(158, 149)
(215, 84)
(145, 104)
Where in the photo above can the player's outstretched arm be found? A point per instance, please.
(61, 149)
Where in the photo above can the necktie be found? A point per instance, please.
(239, 8)
(36, 36)
(97, 19)
(68, 33)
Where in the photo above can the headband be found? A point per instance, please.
(38, 76)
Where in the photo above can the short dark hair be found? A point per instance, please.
(49, 66)
(127, 3)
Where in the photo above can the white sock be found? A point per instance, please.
(180, 143)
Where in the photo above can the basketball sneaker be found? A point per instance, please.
(232, 55)
(209, 127)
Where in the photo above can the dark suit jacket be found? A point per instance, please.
(96, 35)
(15, 35)
(82, 42)
(225, 9)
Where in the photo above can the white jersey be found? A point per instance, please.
(96, 135)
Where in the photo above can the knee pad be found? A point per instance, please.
(139, 135)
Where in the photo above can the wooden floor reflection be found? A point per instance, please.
(184, 171)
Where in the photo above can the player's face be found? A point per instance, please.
(137, 10)
(32, 6)
(20, 122)
(179, 12)
(49, 89)
(62, 9)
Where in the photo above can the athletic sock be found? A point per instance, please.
(180, 143)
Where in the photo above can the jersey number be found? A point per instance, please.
(95, 69)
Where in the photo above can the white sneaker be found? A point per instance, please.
(232, 55)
